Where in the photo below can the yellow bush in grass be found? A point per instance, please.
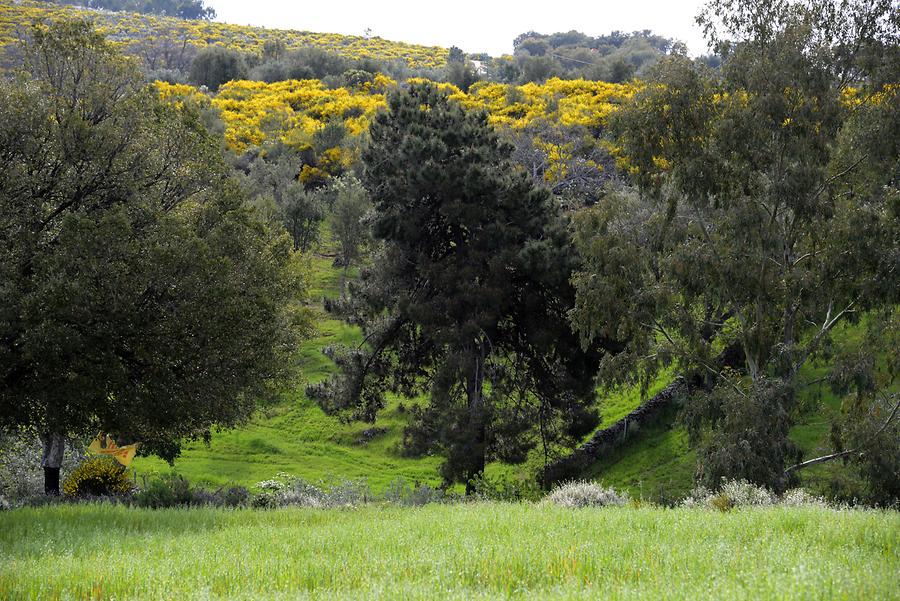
(97, 476)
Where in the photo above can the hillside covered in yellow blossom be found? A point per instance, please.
(293, 112)
(136, 32)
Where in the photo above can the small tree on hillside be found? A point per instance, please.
(302, 212)
(350, 208)
(466, 300)
(216, 65)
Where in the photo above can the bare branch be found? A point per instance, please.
(827, 324)
(824, 458)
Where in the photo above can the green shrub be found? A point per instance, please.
(96, 477)
(173, 490)
(507, 488)
(722, 502)
(400, 492)
(263, 500)
(156, 495)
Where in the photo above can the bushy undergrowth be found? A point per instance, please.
(508, 488)
(285, 490)
(400, 492)
(741, 493)
(21, 475)
(585, 494)
(175, 491)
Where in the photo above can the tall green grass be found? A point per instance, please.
(449, 552)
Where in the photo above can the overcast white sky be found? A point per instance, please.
(474, 26)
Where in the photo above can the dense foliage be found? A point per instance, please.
(139, 295)
(555, 127)
(466, 301)
(183, 9)
(768, 214)
(615, 57)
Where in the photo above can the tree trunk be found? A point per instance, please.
(51, 460)
(477, 425)
(343, 281)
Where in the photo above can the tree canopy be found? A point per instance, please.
(139, 295)
(767, 215)
(183, 9)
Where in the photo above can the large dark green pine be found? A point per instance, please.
(467, 300)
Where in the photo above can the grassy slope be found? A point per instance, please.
(295, 436)
(658, 460)
(449, 552)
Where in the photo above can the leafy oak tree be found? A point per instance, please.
(138, 293)
(467, 297)
(767, 216)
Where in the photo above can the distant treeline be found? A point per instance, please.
(615, 57)
(183, 9)
(176, 34)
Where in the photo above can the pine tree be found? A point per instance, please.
(467, 299)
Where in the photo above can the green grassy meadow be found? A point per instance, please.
(464, 551)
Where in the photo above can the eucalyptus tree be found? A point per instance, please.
(767, 215)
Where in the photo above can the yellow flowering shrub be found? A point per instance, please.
(97, 476)
(294, 111)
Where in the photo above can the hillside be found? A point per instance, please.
(316, 128)
(139, 32)
(296, 437)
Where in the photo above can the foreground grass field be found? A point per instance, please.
(439, 551)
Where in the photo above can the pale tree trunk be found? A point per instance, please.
(477, 425)
(51, 460)
(343, 280)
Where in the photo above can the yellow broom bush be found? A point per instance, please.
(97, 476)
